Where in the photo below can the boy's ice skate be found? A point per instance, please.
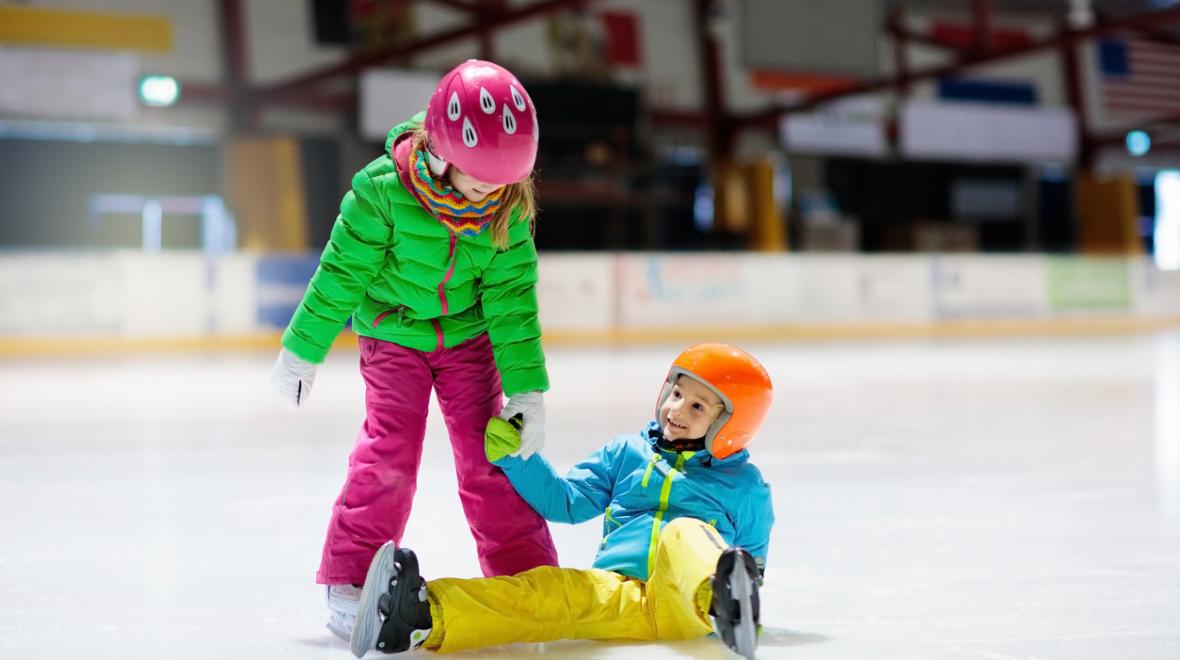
(393, 615)
(735, 601)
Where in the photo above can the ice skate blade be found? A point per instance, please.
(745, 635)
(368, 620)
(340, 630)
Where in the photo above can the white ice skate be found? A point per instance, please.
(342, 603)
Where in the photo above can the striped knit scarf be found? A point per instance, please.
(447, 204)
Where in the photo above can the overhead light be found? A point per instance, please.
(1138, 143)
(159, 91)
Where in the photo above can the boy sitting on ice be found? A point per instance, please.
(685, 532)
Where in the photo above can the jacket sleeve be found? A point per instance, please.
(509, 298)
(754, 520)
(352, 258)
(582, 494)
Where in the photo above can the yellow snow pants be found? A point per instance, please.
(548, 603)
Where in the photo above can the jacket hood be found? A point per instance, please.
(404, 127)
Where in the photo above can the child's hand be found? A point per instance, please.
(292, 377)
(532, 434)
(501, 438)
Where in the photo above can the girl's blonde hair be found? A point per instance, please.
(519, 197)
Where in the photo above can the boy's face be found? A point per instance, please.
(689, 410)
(471, 188)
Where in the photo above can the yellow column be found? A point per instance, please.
(265, 187)
(1107, 209)
(766, 218)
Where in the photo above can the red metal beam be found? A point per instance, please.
(1159, 36)
(900, 32)
(1149, 32)
(716, 118)
(277, 91)
(767, 118)
(233, 42)
(233, 64)
(1075, 94)
(679, 118)
(459, 4)
(329, 101)
(901, 46)
(488, 11)
(196, 92)
(981, 11)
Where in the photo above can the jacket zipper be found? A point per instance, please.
(399, 310)
(647, 473)
(606, 527)
(442, 292)
(665, 493)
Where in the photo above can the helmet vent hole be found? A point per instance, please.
(469, 137)
(509, 121)
(517, 98)
(453, 108)
(486, 102)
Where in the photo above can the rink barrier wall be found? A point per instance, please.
(54, 302)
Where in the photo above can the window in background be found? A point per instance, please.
(986, 199)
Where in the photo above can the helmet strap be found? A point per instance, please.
(438, 167)
(693, 444)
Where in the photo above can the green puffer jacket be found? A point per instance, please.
(407, 279)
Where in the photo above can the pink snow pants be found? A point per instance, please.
(374, 504)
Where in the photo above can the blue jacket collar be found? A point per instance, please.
(652, 433)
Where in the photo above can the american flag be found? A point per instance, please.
(1139, 79)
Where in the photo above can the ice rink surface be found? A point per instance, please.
(935, 499)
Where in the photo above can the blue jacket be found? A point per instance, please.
(638, 488)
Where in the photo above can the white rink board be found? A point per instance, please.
(164, 295)
(1155, 293)
(974, 287)
(235, 295)
(661, 291)
(59, 294)
(575, 292)
(842, 289)
(184, 294)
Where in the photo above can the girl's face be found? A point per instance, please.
(689, 410)
(473, 190)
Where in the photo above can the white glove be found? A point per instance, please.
(532, 432)
(292, 377)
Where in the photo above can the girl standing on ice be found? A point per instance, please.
(432, 256)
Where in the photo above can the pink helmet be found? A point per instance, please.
(481, 120)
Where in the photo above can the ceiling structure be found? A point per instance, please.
(1079, 21)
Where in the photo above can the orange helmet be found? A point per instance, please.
(740, 381)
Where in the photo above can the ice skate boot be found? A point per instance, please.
(342, 601)
(393, 615)
(735, 601)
